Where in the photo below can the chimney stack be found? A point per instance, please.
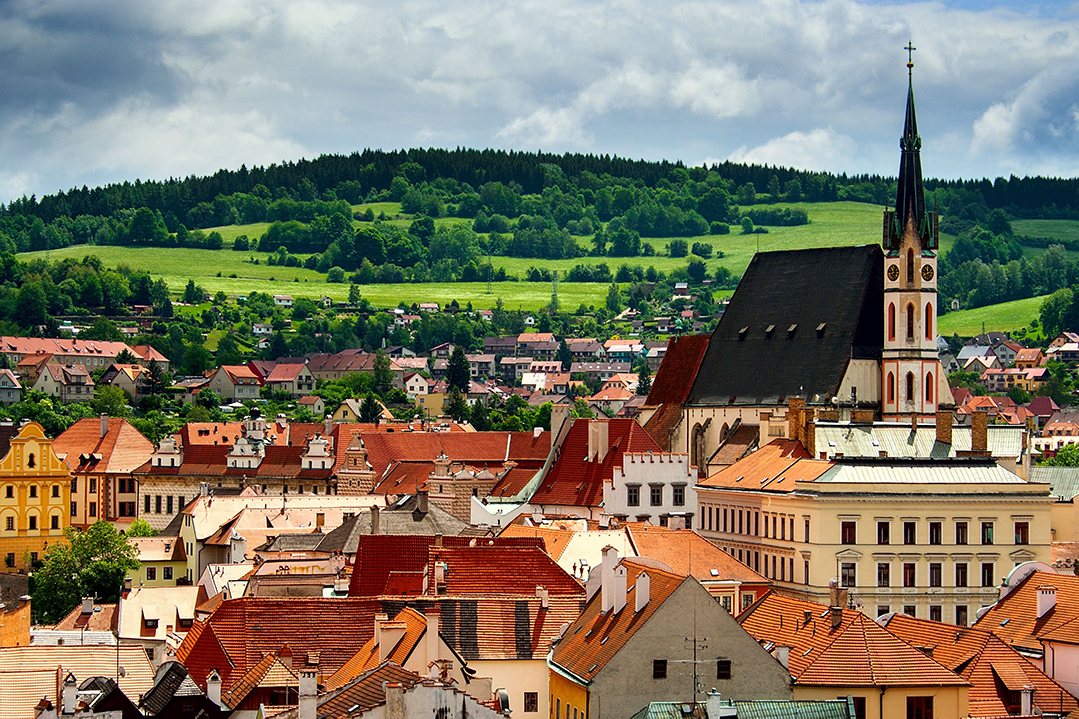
(621, 588)
(559, 415)
(104, 424)
(70, 695)
(643, 592)
(544, 596)
(374, 520)
(598, 440)
(794, 416)
(213, 687)
(944, 425)
(979, 433)
(783, 654)
(87, 605)
(431, 637)
(837, 617)
(809, 439)
(610, 559)
(1047, 599)
(421, 501)
(308, 695)
(1026, 701)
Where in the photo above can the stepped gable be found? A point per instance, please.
(575, 480)
(856, 651)
(996, 670)
(784, 335)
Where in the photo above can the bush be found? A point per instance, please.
(335, 275)
(702, 249)
(241, 244)
(719, 228)
(678, 248)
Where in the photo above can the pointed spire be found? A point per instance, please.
(910, 198)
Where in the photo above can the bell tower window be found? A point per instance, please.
(910, 322)
(891, 320)
(910, 386)
(928, 320)
(910, 267)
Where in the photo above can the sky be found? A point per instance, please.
(101, 91)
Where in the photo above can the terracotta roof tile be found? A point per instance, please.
(367, 692)
(1015, 619)
(415, 625)
(689, 554)
(774, 467)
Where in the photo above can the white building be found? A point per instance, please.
(655, 487)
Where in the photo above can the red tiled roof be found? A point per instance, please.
(121, 450)
(148, 353)
(98, 621)
(415, 625)
(366, 693)
(40, 345)
(689, 554)
(660, 424)
(1014, 617)
(241, 371)
(508, 570)
(775, 467)
(856, 652)
(279, 461)
(285, 372)
(571, 481)
(595, 637)
(981, 658)
(678, 369)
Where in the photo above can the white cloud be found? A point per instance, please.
(819, 149)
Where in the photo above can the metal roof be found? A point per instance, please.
(948, 473)
(1063, 481)
(796, 709)
(897, 440)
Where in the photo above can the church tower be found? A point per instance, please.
(912, 379)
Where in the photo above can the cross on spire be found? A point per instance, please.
(910, 55)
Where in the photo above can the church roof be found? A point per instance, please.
(796, 320)
(910, 197)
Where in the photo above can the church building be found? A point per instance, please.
(849, 330)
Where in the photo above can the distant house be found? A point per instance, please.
(261, 330)
(313, 403)
(10, 388)
(417, 385)
(128, 377)
(428, 307)
(282, 300)
(481, 365)
(292, 377)
(235, 382)
(69, 383)
(443, 350)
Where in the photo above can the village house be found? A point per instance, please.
(654, 487)
(481, 365)
(162, 561)
(68, 383)
(284, 301)
(157, 619)
(291, 377)
(10, 387)
(131, 378)
(313, 403)
(234, 382)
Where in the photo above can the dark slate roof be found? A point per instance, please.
(1063, 481)
(833, 299)
(402, 517)
(171, 680)
(796, 709)
(293, 542)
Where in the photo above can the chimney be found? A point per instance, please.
(70, 695)
(837, 617)
(544, 596)
(944, 425)
(783, 654)
(421, 501)
(559, 415)
(810, 439)
(610, 559)
(807, 617)
(621, 589)
(308, 695)
(87, 605)
(379, 618)
(1026, 701)
(644, 590)
(763, 424)
(1047, 599)
(396, 708)
(794, 416)
(213, 687)
(431, 638)
(104, 424)
(374, 520)
(979, 433)
(598, 440)
(328, 426)
(719, 709)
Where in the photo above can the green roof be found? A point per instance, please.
(757, 709)
(1063, 481)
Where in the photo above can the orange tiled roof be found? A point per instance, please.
(121, 450)
(856, 652)
(555, 539)
(103, 620)
(690, 554)
(286, 372)
(982, 658)
(775, 467)
(519, 570)
(415, 625)
(595, 637)
(1014, 617)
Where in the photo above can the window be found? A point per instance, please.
(151, 575)
(1022, 533)
(74, 509)
(935, 533)
(655, 495)
(884, 532)
(806, 531)
(9, 524)
(33, 522)
(928, 384)
(919, 707)
(884, 574)
(30, 461)
(961, 574)
(910, 322)
(935, 613)
(33, 488)
(934, 574)
(848, 574)
(93, 484)
(960, 532)
(910, 533)
(9, 560)
(149, 623)
(961, 615)
(557, 708)
(146, 509)
(168, 504)
(74, 485)
(910, 266)
(908, 575)
(859, 707)
(928, 321)
(723, 669)
(56, 490)
(726, 602)
(883, 609)
(987, 574)
(166, 572)
(157, 504)
(805, 572)
(186, 623)
(910, 386)
(659, 668)
(909, 610)
(747, 599)
(54, 521)
(987, 532)
(891, 387)
(531, 703)
(849, 533)
(93, 509)
(633, 496)
(678, 496)
(891, 320)
(9, 491)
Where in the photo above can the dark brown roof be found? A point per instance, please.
(678, 369)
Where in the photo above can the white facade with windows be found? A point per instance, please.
(652, 487)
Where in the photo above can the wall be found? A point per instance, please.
(1061, 661)
(642, 471)
(15, 626)
(565, 693)
(948, 702)
(517, 676)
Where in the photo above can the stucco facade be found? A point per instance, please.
(35, 491)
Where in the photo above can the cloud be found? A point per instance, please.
(95, 92)
(819, 149)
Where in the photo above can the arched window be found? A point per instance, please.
(910, 322)
(891, 387)
(910, 266)
(910, 386)
(929, 320)
(30, 461)
(929, 387)
(891, 320)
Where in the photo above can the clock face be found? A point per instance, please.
(927, 272)
(893, 272)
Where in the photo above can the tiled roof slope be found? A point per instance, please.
(689, 554)
(509, 570)
(572, 481)
(781, 336)
(415, 625)
(595, 637)
(982, 658)
(678, 369)
(856, 652)
(775, 467)
(1014, 617)
(103, 619)
(123, 448)
(662, 421)
(554, 539)
(203, 460)
(366, 693)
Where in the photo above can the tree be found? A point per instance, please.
(126, 357)
(383, 373)
(193, 294)
(644, 380)
(156, 379)
(747, 225)
(565, 356)
(141, 528)
(92, 563)
(370, 410)
(457, 371)
(457, 407)
(614, 299)
(479, 418)
(104, 330)
(353, 294)
(110, 400)
(678, 248)
(697, 271)
(1066, 456)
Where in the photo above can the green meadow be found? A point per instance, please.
(1005, 317)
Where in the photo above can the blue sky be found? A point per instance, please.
(110, 91)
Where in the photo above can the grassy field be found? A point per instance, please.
(1056, 229)
(1005, 317)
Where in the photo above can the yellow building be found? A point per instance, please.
(35, 491)
(162, 560)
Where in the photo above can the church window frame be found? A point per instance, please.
(910, 386)
(891, 320)
(891, 387)
(929, 320)
(910, 320)
(929, 387)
